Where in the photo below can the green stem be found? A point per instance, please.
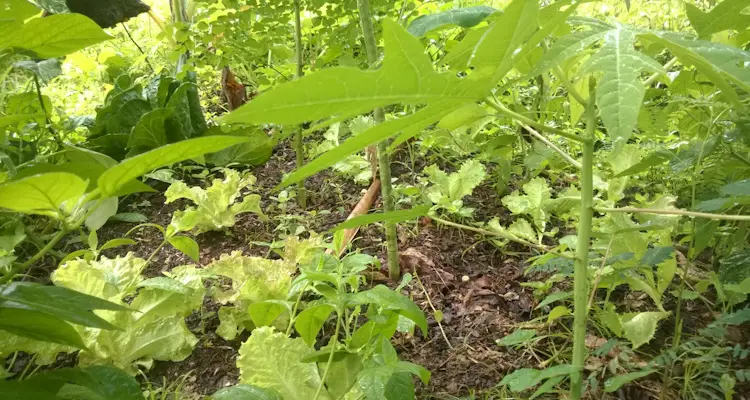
(552, 146)
(528, 121)
(580, 283)
(685, 213)
(332, 344)
(651, 79)
(384, 162)
(299, 146)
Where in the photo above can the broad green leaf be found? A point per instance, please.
(150, 132)
(42, 194)
(114, 178)
(640, 328)
(310, 321)
(89, 170)
(704, 232)
(448, 188)
(462, 116)
(104, 210)
(735, 267)
(682, 49)
(386, 298)
(186, 245)
(265, 312)
(620, 92)
(256, 151)
(61, 302)
(614, 383)
(463, 17)
(412, 124)
(537, 194)
(519, 336)
(342, 377)
(111, 244)
(23, 321)
(407, 76)
(459, 55)
(179, 105)
(494, 53)
(59, 35)
(527, 378)
(245, 392)
(254, 279)
(271, 360)
(108, 279)
(393, 216)
(399, 387)
(728, 14)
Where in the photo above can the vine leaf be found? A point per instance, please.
(620, 93)
(639, 328)
(567, 47)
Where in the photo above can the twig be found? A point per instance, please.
(138, 46)
(490, 233)
(528, 121)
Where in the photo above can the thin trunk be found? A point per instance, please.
(384, 162)
(299, 146)
(580, 284)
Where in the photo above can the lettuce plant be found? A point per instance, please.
(155, 328)
(255, 280)
(216, 207)
(447, 190)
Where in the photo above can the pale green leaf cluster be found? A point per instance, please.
(447, 191)
(533, 202)
(155, 329)
(216, 207)
(272, 360)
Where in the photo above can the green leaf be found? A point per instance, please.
(557, 296)
(309, 322)
(620, 92)
(102, 213)
(739, 188)
(656, 158)
(411, 124)
(527, 378)
(150, 132)
(23, 321)
(61, 302)
(342, 374)
(567, 47)
(685, 52)
(640, 328)
(91, 383)
(463, 17)
(271, 360)
(449, 188)
(495, 52)
(728, 14)
(45, 69)
(245, 392)
(59, 35)
(735, 267)
(386, 298)
(265, 312)
(18, 9)
(186, 245)
(108, 279)
(399, 387)
(111, 244)
(558, 312)
(407, 77)
(393, 216)
(116, 177)
(519, 336)
(256, 151)
(537, 194)
(180, 106)
(42, 194)
(614, 383)
(89, 170)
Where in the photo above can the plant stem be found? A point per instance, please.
(156, 251)
(384, 162)
(580, 283)
(685, 213)
(528, 121)
(125, 28)
(18, 268)
(299, 146)
(551, 145)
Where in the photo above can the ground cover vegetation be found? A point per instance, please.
(374, 199)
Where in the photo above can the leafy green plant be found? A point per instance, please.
(216, 207)
(447, 190)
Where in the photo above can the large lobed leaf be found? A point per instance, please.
(463, 17)
(271, 360)
(728, 14)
